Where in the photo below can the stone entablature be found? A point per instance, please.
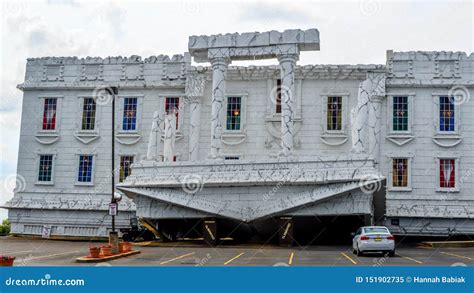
(65, 202)
(258, 45)
(423, 68)
(63, 72)
(321, 170)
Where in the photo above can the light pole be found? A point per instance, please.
(113, 235)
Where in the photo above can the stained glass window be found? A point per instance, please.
(446, 114)
(172, 105)
(85, 168)
(400, 172)
(88, 114)
(234, 107)
(400, 113)
(45, 168)
(129, 121)
(334, 113)
(125, 169)
(49, 114)
(447, 173)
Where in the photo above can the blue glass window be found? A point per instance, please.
(446, 114)
(129, 121)
(85, 168)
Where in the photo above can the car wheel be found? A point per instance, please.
(358, 252)
(391, 253)
(354, 251)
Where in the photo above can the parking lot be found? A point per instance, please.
(39, 252)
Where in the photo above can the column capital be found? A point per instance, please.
(220, 62)
(283, 58)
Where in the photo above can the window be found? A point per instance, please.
(49, 114)
(88, 114)
(400, 113)
(129, 122)
(278, 98)
(125, 170)
(234, 107)
(447, 173)
(231, 158)
(45, 170)
(400, 172)
(334, 113)
(446, 114)
(85, 168)
(172, 105)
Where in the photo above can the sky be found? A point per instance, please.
(353, 32)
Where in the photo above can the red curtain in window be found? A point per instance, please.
(49, 114)
(447, 173)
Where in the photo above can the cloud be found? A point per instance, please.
(275, 12)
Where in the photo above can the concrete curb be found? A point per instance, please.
(439, 244)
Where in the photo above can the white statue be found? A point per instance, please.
(169, 137)
(155, 134)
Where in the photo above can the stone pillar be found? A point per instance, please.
(287, 67)
(219, 70)
(194, 128)
(374, 127)
(169, 137)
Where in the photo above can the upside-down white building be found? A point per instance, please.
(218, 150)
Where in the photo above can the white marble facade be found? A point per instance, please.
(198, 167)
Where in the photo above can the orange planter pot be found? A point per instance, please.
(7, 262)
(106, 250)
(126, 246)
(94, 252)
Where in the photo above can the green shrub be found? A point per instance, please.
(5, 227)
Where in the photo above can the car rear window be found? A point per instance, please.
(376, 230)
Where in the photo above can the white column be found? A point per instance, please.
(169, 137)
(194, 128)
(374, 127)
(287, 67)
(219, 70)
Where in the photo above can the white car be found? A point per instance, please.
(373, 239)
